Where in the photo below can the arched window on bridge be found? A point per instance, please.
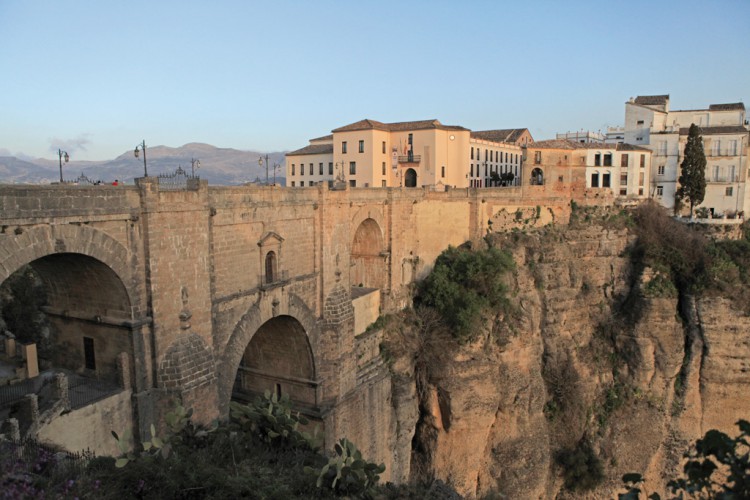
(271, 259)
(270, 267)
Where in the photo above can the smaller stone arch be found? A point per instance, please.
(273, 304)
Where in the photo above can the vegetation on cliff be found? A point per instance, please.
(465, 286)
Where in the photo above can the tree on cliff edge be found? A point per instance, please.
(693, 170)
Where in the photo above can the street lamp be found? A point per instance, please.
(260, 162)
(194, 164)
(60, 155)
(140, 146)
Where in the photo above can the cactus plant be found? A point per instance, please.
(346, 472)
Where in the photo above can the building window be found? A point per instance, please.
(472, 153)
(330, 168)
(485, 169)
(486, 151)
(624, 191)
(594, 180)
(382, 183)
(639, 122)
(312, 169)
(301, 183)
(352, 167)
(605, 180)
(442, 171)
(343, 147)
(292, 168)
(659, 190)
(598, 160)
(270, 267)
(624, 160)
(643, 161)
(608, 160)
(320, 168)
(383, 170)
(292, 183)
(729, 191)
(537, 157)
(352, 183)
(89, 357)
(660, 170)
(640, 179)
(730, 177)
(301, 169)
(383, 147)
(361, 146)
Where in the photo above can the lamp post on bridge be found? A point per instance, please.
(62, 155)
(136, 152)
(260, 162)
(194, 164)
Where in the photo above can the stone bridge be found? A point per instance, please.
(205, 292)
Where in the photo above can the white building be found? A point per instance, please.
(650, 123)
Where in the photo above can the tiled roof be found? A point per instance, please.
(500, 135)
(630, 147)
(328, 137)
(313, 149)
(720, 129)
(362, 125)
(568, 144)
(651, 100)
(565, 144)
(726, 107)
(367, 124)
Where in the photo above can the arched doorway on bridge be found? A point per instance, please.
(368, 259)
(410, 178)
(82, 323)
(279, 359)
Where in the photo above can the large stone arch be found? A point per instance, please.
(31, 244)
(267, 309)
(90, 297)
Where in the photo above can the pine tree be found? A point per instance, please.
(693, 170)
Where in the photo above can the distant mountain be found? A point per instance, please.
(222, 166)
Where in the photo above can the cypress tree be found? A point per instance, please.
(693, 170)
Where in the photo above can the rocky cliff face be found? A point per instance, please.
(592, 356)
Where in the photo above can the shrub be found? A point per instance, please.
(465, 285)
(346, 472)
(582, 469)
(272, 420)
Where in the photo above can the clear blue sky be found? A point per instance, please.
(97, 77)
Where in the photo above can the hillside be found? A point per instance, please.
(219, 166)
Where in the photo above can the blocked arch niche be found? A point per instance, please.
(368, 256)
(284, 337)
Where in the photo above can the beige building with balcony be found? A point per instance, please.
(650, 123)
(369, 153)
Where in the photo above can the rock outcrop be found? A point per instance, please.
(590, 356)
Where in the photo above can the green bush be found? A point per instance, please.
(346, 472)
(582, 469)
(465, 285)
(272, 420)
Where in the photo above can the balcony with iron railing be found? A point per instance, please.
(723, 178)
(279, 278)
(410, 159)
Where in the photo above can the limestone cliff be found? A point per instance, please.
(595, 353)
